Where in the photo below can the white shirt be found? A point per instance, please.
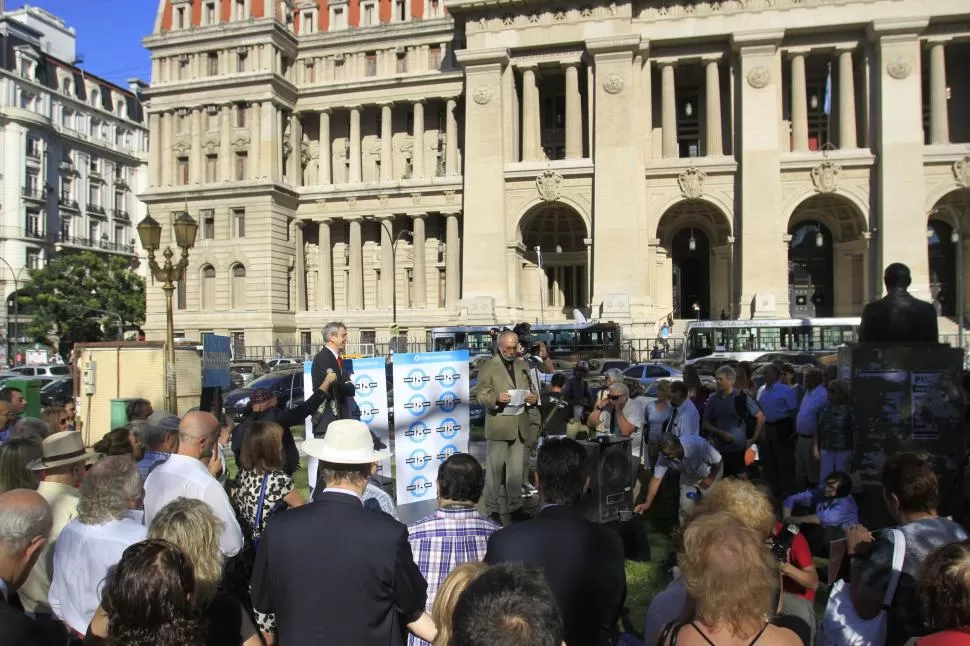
(687, 421)
(63, 501)
(633, 412)
(699, 457)
(82, 557)
(182, 476)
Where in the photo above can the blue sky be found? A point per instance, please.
(109, 33)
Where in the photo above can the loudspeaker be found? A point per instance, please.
(610, 468)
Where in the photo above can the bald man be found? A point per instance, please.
(184, 475)
(25, 522)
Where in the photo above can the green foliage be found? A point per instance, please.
(62, 296)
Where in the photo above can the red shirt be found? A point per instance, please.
(959, 637)
(799, 556)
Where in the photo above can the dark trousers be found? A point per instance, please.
(820, 537)
(777, 456)
(733, 463)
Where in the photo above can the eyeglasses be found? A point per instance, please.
(613, 398)
(63, 421)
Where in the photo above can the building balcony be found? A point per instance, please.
(34, 194)
(67, 203)
(95, 209)
(120, 215)
(34, 234)
(98, 245)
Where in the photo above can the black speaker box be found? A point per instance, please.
(610, 469)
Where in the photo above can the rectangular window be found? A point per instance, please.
(32, 184)
(212, 64)
(210, 13)
(33, 147)
(182, 170)
(371, 64)
(239, 223)
(339, 21)
(94, 194)
(33, 259)
(434, 9)
(181, 295)
(241, 57)
(442, 289)
(95, 166)
(212, 119)
(402, 63)
(180, 18)
(310, 72)
(66, 229)
(309, 25)
(183, 71)
(434, 58)
(33, 224)
(238, 340)
(369, 14)
(241, 111)
(211, 169)
(400, 10)
(66, 189)
(240, 10)
(242, 161)
(209, 225)
(94, 231)
(119, 236)
(120, 201)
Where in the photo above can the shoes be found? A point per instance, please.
(528, 491)
(496, 518)
(520, 516)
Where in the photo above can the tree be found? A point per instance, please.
(63, 297)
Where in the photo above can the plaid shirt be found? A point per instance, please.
(445, 540)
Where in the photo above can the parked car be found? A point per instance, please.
(60, 388)
(598, 366)
(288, 386)
(647, 373)
(52, 371)
(249, 370)
(273, 364)
(796, 359)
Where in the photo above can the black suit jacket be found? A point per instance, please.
(335, 404)
(17, 629)
(286, 419)
(898, 317)
(337, 574)
(583, 563)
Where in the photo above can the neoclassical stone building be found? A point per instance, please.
(500, 160)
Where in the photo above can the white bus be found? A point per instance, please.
(747, 340)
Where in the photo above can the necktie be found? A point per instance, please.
(672, 421)
(340, 363)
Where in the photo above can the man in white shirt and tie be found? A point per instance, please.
(684, 419)
(184, 475)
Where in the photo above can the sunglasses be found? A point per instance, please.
(613, 398)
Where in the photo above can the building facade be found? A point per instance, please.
(75, 155)
(482, 161)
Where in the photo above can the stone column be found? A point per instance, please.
(669, 111)
(195, 159)
(355, 282)
(574, 113)
(452, 261)
(939, 121)
(326, 149)
(278, 144)
(168, 168)
(325, 264)
(299, 265)
(530, 115)
(417, 152)
(847, 114)
(268, 140)
(295, 170)
(799, 103)
(225, 142)
(155, 149)
(354, 175)
(388, 270)
(420, 282)
(255, 132)
(451, 138)
(712, 95)
(387, 140)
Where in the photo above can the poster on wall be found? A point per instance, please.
(431, 423)
(370, 385)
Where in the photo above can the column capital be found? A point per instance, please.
(299, 224)
(842, 48)
(793, 52)
(420, 215)
(755, 40)
(570, 64)
(355, 107)
(613, 44)
(386, 104)
(905, 27)
(474, 57)
(422, 100)
(933, 41)
(530, 66)
(714, 57)
(326, 111)
(663, 62)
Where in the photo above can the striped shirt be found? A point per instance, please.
(445, 540)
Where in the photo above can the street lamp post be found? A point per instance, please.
(16, 306)
(169, 274)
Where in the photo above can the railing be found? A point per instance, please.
(120, 214)
(34, 234)
(33, 193)
(95, 208)
(670, 350)
(308, 351)
(68, 203)
(106, 245)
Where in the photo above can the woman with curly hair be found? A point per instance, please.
(944, 591)
(733, 581)
(148, 599)
(191, 525)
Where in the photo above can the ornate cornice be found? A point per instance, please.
(673, 9)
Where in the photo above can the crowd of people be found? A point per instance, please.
(150, 540)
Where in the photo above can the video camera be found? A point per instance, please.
(524, 332)
(781, 544)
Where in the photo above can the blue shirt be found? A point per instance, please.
(806, 423)
(150, 460)
(834, 512)
(777, 401)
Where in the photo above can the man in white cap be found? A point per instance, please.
(333, 572)
(63, 466)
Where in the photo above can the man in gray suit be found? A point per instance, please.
(505, 434)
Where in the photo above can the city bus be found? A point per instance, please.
(564, 340)
(746, 340)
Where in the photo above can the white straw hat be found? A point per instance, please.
(348, 441)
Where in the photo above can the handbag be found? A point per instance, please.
(842, 626)
(238, 570)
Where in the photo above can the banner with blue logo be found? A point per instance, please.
(370, 382)
(431, 395)
(216, 356)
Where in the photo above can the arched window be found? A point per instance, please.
(238, 290)
(208, 287)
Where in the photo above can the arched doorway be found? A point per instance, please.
(695, 234)
(810, 280)
(828, 258)
(555, 261)
(945, 239)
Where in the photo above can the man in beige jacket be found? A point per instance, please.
(505, 434)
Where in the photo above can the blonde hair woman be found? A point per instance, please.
(733, 580)
(191, 525)
(447, 598)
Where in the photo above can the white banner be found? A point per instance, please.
(370, 381)
(308, 424)
(430, 423)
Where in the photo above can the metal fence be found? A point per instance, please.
(669, 350)
(306, 352)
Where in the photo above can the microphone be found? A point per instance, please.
(329, 371)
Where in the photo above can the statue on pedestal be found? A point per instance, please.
(898, 317)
